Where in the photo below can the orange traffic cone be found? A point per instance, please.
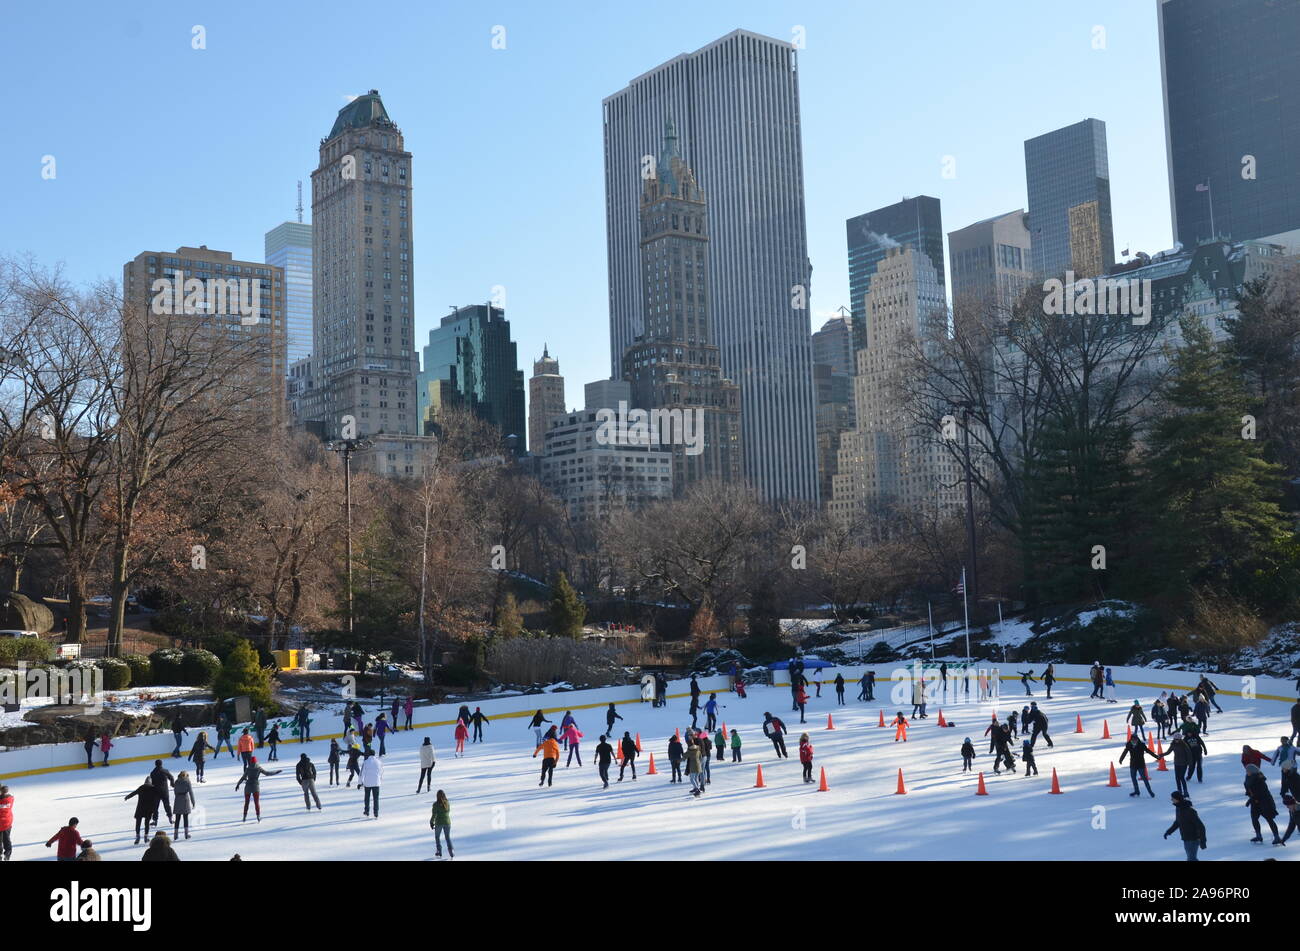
(901, 790)
(652, 771)
(1145, 777)
(677, 733)
(1128, 736)
(1078, 723)
(638, 742)
(830, 723)
(980, 790)
(995, 716)
(1160, 763)
(725, 732)
(1105, 729)
(942, 721)
(758, 783)
(1056, 784)
(1114, 781)
(882, 717)
(823, 787)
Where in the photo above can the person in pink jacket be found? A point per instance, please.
(462, 734)
(409, 709)
(572, 735)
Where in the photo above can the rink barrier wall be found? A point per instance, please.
(60, 757)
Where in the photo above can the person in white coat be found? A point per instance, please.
(372, 774)
(426, 766)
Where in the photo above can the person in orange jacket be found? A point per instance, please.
(245, 747)
(550, 746)
(900, 722)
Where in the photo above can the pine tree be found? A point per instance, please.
(567, 610)
(242, 675)
(509, 621)
(1212, 492)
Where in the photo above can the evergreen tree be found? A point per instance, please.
(509, 621)
(567, 610)
(1213, 495)
(242, 675)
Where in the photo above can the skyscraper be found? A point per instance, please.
(238, 305)
(1231, 76)
(871, 238)
(545, 399)
(833, 345)
(736, 105)
(288, 246)
(887, 462)
(362, 273)
(674, 365)
(471, 360)
(990, 261)
(1064, 169)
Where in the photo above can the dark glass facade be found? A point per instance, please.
(1231, 71)
(912, 221)
(1065, 168)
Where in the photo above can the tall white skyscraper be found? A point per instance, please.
(735, 104)
(288, 246)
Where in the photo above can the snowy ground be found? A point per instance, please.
(500, 813)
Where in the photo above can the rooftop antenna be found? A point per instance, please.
(300, 201)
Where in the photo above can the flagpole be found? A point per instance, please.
(930, 613)
(965, 611)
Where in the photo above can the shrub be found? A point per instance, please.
(166, 666)
(117, 673)
(30, 649)
(220, 644)
(141, 669)
(240, 675)
(545, 660)
(567, 610)
(199, 667)
(1217, 626)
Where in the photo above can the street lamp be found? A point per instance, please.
(346, 447)
(972, 579)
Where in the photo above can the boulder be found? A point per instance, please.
(22, 613)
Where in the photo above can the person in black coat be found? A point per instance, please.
(1260, 801)
(1136, 751)
(1002, 749)
(196, 754)
(967, 756)
(1188, 823)
(1209, 690)
(333, 760)
(1038, 722)
(162, 781)
(839, 689)
(628, 749)
(1295, 716)
(146, 806)
(611, 715)
(90, 750)
(305, 773)
(1196, 749)
(775, 731)
(1182, 755)
(675, 754)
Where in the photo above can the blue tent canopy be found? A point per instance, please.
(814, 663)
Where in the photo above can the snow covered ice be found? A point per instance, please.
(498, 811)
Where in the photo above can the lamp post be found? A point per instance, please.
(971, 580)
(346, 447)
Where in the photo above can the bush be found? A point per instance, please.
(548, 659)
(30, 649)
(166, 666)
(241, 675)
(117, 673)
(199, 667)
(141, 669)
(220, 644)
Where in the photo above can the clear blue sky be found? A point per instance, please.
(159, 145)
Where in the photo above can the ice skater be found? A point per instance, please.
(251, 781)
(372, 777)
(1025, 677)
(440, 822)
(806, 757)
(735, 746)
(628, 748)
(478, 719)
(305, 773)
(462, 734)
(1027, 757)
(610, 716)
(550, 748)
(1188, 823)
(1260, 801)
(572, 739)
(604, 756)
(775, 731)
(675, 754)
(1137, 719)
(183, 806)
(332, 760)
(427, 762)
(196, 754)
(967, 756)
(900, 724)
(1136, 751)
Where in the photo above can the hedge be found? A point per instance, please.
(117, 673)
(141, 669)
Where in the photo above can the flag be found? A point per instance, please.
(1124, 252)
(960, 589)
(1203, 186)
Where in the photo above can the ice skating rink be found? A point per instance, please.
(498, 811)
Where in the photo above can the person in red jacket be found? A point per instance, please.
(806, 757)
(1252, 757)
(105, 744)
(6, 823)
(68, 838)
(462, 734)
(801, 701)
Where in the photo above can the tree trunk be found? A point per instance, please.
(76, 610)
